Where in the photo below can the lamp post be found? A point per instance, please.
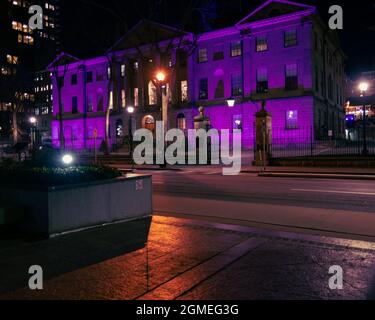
(33, 122)
(161, 80)
(130, 111)
(363, 87)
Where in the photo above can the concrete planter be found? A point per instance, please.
(55, 210)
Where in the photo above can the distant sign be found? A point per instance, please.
(330, 133)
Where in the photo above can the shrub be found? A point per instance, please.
(21, 174)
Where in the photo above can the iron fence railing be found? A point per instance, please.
(302, 142)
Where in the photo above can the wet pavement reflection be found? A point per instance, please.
(168, 258)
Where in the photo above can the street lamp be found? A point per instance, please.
(130, 111)
(231, 102)
(363, 87)
(160, 76)
(161, 80)
(33, 122)
(67, 159)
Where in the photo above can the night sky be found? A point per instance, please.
(89, 27)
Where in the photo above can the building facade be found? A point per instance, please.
(282, 53)
(23, 52)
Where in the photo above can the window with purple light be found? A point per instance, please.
(235, 49)
(292, 119)
(74, 105)
(262, 80)
(203, 89)
(291, 77)
(202, 55)
(220, 90)
(90, 105)
(89, 77)
(237, 122)
(100, 102)
(236, 85)
(290, 38)
(261, 44)
(74, 80)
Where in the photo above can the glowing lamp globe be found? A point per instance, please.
(67, 159)
(32, 120)
(363, 87)
(160, 76)
(231, 102)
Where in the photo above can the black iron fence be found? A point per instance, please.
(302, 142)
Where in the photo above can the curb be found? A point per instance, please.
(316, 175)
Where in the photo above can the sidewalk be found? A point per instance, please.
(187, 259)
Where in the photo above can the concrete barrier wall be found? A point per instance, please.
(60, 209)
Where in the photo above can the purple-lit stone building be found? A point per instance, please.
(282, 53)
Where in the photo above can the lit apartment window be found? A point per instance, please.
(290, 38)
(136, 97)
(184, 91)
(291, 77)
(203, 89)
(236, 85)
(235, 49)
(152, 94)
(261, 44)
(16, 25)
(292, 119)
(262, 80)
(202, 55)
(111, 100)
(28, 40)
(123, 98)
(12, 59)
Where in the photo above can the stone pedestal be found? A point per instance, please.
(202, 122)
(263, 140)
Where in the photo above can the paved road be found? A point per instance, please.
(340, 208)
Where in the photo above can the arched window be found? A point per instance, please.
(181, 122)
(219, 92)
(152, 94)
